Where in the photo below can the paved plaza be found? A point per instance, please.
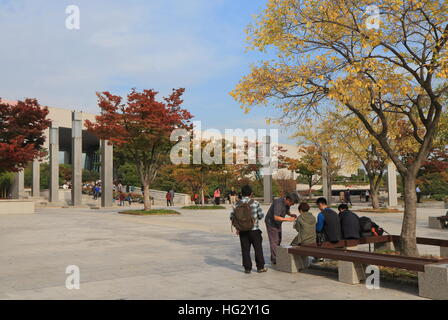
(192, 256)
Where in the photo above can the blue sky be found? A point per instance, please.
(160, 44)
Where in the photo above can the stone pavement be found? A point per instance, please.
(192, 256)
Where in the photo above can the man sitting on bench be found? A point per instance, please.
(328, 225)
(349, 223)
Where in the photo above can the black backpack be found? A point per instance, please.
(369, 228)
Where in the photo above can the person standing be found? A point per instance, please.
(232, 196)
(168, 199)
(245, 217)
(348, 197)
(419, 194)
(342, 196)
(129, 199)
(217, 196)
(172, 193)
(96, 192)
(121, 198)
(275, 217)
(367, 195)
(328, 225)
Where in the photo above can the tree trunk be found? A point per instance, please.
(375, 199)
(408, 230)
(374, 193)
(146, 198)
(202, 197)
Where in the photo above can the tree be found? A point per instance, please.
(352, 137)
(197, 176)
(22, 126)
(330, 54)
(308, 166)
(141, 129)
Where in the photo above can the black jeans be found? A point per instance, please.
(248, 239)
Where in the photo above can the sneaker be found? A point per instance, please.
(262, 270)
(247, 271)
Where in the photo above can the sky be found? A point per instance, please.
(198, 45)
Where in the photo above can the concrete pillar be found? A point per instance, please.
(76, 158)
(107, 155)
(351, 273)
(434, 223)
(267, 172)
(326, 179)
(18, 185)
(290, 263)
(54, 164)
(35, 190)
(433, 283)
(392, 185)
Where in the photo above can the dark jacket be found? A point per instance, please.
(278, 208)
(350, 226)
(332, 225)
(306, 227)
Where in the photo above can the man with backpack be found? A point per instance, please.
(245, 218)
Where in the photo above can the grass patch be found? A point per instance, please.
(196, 207)
(153, 212)
(386, 273)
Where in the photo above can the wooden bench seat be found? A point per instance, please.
(368, 258)
(432, 272)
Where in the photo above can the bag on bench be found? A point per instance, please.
(369, 228)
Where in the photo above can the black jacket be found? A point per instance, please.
(350, 225)
(332, 226)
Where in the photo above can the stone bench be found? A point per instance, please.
(432, 273)
(437, 222)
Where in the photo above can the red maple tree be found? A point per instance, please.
(22, 126)
(141, 129)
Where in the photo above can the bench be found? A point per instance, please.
(438, 222)
(432, 272)
(386, 242)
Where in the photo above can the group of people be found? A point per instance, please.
(329, 225)
(123, 197)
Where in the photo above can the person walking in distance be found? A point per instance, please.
(232, 196)
(275, 217)
(168, 199)
(419, 194)
(217, 196)
(348, 197)
(245, 217)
